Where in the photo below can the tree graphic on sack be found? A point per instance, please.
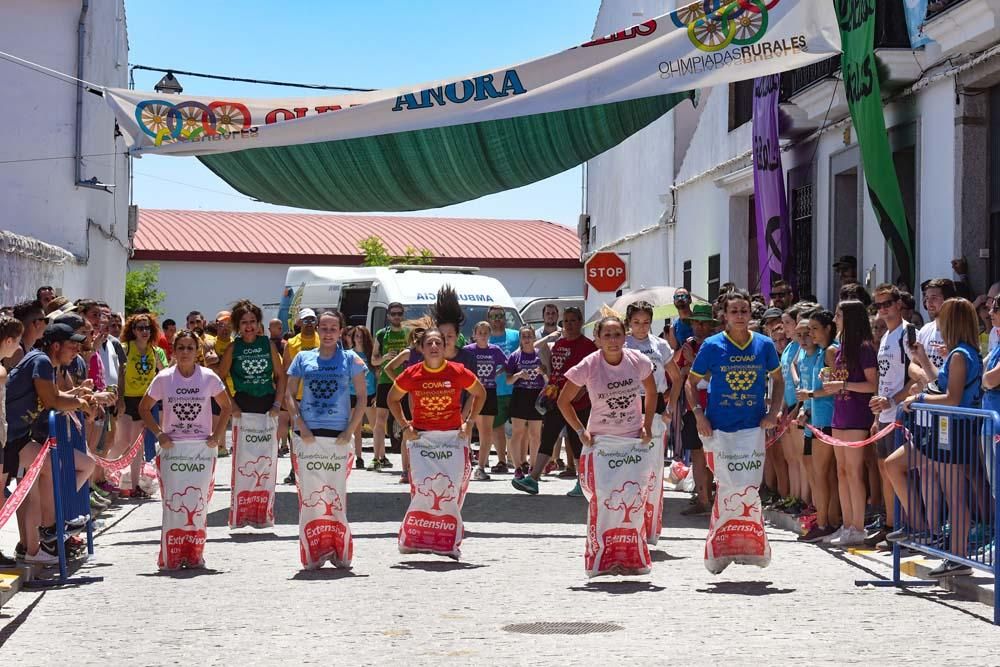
(737, 504)
(327, 497)
(189, 501)
(628, 499)
(259, 468)
(438, 487)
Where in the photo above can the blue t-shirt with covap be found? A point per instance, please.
(326, 394)
(788, 356)
(370, 377)
(508, 342)
(738, 382)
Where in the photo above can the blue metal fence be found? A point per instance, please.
(952, 510)
(70, 502)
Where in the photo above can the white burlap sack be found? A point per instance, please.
(614, 476)
(321, 472)
(653, 516)
(187, 476)
(736, 529)
(439, 478)
(255, 469)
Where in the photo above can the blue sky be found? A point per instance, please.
(356, 43)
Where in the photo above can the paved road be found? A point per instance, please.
(522, 563)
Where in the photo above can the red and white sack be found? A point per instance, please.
(653, 516)
(255, 469)
(736, 529)
(614, 476)
(321, 472)
(187, 476)
(439, 479)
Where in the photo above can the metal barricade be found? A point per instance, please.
(69, 501)
(952, 510)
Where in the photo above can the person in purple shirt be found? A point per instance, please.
(854, 379)
(490, 360)
(524, 369)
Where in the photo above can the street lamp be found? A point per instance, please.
(169, 84)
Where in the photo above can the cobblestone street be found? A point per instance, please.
(522, 563)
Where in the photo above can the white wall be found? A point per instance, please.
(40, 198)
(625, 184)
(213, 287)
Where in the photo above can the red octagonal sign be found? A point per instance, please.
(606, 272)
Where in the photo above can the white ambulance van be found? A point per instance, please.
(363, 293)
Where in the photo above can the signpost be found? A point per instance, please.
(606, 272)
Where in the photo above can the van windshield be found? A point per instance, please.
(473, 314)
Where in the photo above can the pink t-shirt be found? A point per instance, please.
(187, 405)
(616, 403)
(96, 372)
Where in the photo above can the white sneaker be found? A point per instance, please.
(41, 558)
(850, 537)
(835, 535)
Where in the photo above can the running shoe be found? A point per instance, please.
(576, 491)
(568, 473)
(480, 475)
(897, 535)
(560, 464)
(833, 536)
(7, 561)
(518, 473)
(43, 557)
(359, 463)
(527, 484)
(500, 469)
(950, 568)
(550, 467)
(282, 451)
(404, 478)
(816, 534)
(386, 463)
(223, 452)
(290, 479)
(849, 537)
(375, 466)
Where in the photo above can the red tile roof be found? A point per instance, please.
(293, 238)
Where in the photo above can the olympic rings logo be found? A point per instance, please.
(189, 121)
(713, 25)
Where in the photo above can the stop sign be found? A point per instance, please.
(605, 272)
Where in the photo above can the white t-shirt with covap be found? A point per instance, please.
(930, 338)
(658, 352)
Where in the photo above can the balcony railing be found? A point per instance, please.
(935, 7)
(890, 33)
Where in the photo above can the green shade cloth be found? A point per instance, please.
(864, 97)
(422, 169)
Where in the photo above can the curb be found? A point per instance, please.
(978, 587)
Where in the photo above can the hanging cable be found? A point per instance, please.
(55, 74)
(221, 77)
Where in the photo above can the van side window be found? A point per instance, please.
(378, 318)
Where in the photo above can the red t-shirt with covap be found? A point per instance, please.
(187, 404)
(436, 394)
(615, 391)
(565, 355)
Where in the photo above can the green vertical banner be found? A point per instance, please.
(864, 97)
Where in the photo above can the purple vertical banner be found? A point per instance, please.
(773, 229)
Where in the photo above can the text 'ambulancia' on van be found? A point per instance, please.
(363, 293)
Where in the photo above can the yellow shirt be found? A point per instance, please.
(140, 369)
(296, 344)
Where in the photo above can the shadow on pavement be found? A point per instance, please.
(662, 556)
(749, 588)
(192, 573)
(435, 566)
(325, 574)
(618, 587)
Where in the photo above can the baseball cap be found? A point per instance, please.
(846, 260)
(772, 314)
(60, 333)
(306, 312)
(702, 312)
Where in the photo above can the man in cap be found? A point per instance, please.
(846, 267)
(703, 325)
(306, 339)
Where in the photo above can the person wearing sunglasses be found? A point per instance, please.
(388, 343)
(681, 331)
(143, 360)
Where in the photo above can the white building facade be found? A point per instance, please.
(64, 176)
(942, 111)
